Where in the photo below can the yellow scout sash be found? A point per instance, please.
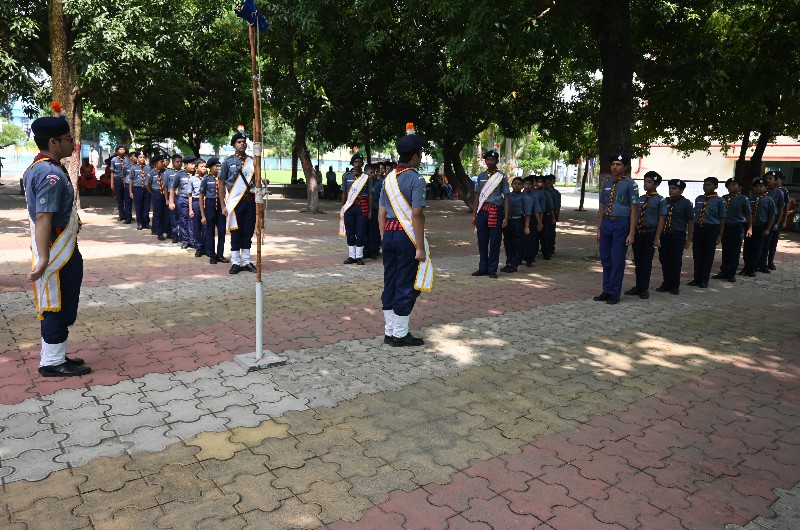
(489, 188)
(47, 289)
(355, 189)
(237, 192)
(424, 279)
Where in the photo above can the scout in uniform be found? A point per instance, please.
(170, 174)
(117, 180)
(519, 224)
(763, 208)
(555, 199)
(543, 241)
(212, 218)
(131, 163)
(137, 188)
(195, 215)
(643, 240)
(179, 196)
(238, 200)
(407, 268)
(354, 214)
(57, 270)
(374, 233)
(673, 235)
(530, 245)
(738, 222)
(709, 226)
(490, 214)
(157, 187)
(619, 213)
(775, 192)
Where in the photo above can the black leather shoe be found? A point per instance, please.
(249, 267)
(731, 279)
(765, 270)
(720, 276)
(632, 292)
(703, 285)
(359, 261)
(223, 259)
(548, 257)
(162, 238)
(198, 253)
(644, 295)
(612, 299)
(235, 269)
(509, 269)
(493, 275)
(184, 246)
(175, 239)
(529, 263)
(74, 361)
(772, 267)
(138, 227)
(388, 339)
(676, 290)
(349, 261)
(64, 369)
(127, 221)
(693, 283)
(662, 289)
(750, 274)
(408, 340)
(602, 297)
(146, 227)
(480, 273)
(212, 260)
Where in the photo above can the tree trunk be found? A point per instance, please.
(459, 178)
(765, 131)
(302, 153)
(583, 184)
(65, 89)
(294, 157)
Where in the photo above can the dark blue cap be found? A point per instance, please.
(237, 136)
(189, 159)
(409, 144)
(49, 127)
(655, 176)
(621, 156)
(356, 156)
(760, 181)
(491, 153)
(712, 180)
(677, 182)
(213, 161)
(158, 158)
(118, 147)
(775, 174)
(733, 181)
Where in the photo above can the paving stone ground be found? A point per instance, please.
(530, 406)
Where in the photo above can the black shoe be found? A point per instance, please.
(731, 279)
(676, 290)
(693, 283)
(408, 340)
(765, 270)
(64, 369)
(128, 221)
(175, 239)
(772, 267)
(703, 285)
(162, 238)
(508, 268)
(146, 227)
(493, 275)
(750, 274)
(249, 267)
(198, 253)
(602, 297)
(720, 276)
(235, 269)
(388, 339)
(612, 299)
(662, 289)
(359, 261)
(529, 263)
(349, 261)
(120, 218)
(223, 259)
(212, 260)
(644, 295)
(632, 292)
(74, 361)
(184, 246)
(480, 273)
(138, 227)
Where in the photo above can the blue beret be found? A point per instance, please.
(712, 180)
(357, 156)
(677, 182)
(213, 161)
(237, 136)
(776, 174)
(733, 181)
(49, 127)
(158, 158)
(491, 153)
(760, 181)
(653, 175)
(621, 156)
(118, 147)
(189, 159)
(409, 144)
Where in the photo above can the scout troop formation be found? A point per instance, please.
(194, 202)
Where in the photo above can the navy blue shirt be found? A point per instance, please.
(715, 210)
(375, 189)
(776, 194)
(555, 197)
(762, 208)
(626, 196)
(208, 186)
(736, 208)
(682, 214)
(545, 199)
(650, 209)
(536, 201)
(412, 186)
(498, 195)
(49, 190)
(520, 204)
(347, 182)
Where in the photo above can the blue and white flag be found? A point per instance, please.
(247, 10)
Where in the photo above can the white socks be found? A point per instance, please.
(235, 258)
(53, 354)
(245, 256)
(400, 326)
(359, 252)
(351, 252)
(389, 317)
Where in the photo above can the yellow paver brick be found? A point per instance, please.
(215, 445)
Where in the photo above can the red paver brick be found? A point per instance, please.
(578, 517)
(578, 487)
(619, 429)
(591, 436)
(662, 497)
(532, 460)
(622, 507)
(659, 521)
(497, 514)
(500, 479)
(459, 523)
(559, 445)
(602, 466)
(633, 455)
(540, 499)
(457, 493)
(417, 511)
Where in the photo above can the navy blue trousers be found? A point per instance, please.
(355, 226)
(120, 191)
(547, 236)
(215, 222)
(704, 246)
(141, 200)
(373, 235)
(128, 203)
(770, 248)
(643, 252)
(613, 252)
(55, 326)
(399, 273)
(530, 243)
(489, 240)
(732, 239)
(173, 221)
(184, 223)
(513, 237)
(242, 237)
(197, 225)
(671, 257)
(753, 248)
(160, 224)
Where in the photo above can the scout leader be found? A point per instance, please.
(156, 186)
(354, 215)
(490, 214)
(57, 263)
(407, 267)
(237, 196)
(619, 211)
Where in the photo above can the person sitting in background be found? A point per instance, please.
(447, 187)
(105, 178)
(437, 184)
(88, 178)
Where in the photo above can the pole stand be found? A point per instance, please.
(249, 362)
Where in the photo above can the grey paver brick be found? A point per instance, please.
(33, 465)
(123, 425)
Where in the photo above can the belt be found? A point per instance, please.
(647, 230)
(612, 217)
(392, 225)
(516, 217)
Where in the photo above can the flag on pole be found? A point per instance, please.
(247, 10)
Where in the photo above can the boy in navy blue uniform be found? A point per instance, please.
(402, 255)
(179, 196)
(374, 232)
(643, 240)
(211, 213)
(546, 199)
(154, 182)
(169, 176)
(738, 222)
(138, 191)
(519, 219)
(355, 210)
(709, 226)
(117, 180)
(490, 214)
(197, 227)
(619, 212)
(673, 235)
(763, 208)
(131, 164)
(530, 246)
(555, 201)
(774, 191)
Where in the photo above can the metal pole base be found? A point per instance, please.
(250, 364)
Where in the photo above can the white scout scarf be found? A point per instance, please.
(424, 279)
(236, 193)
(47, 289)
(489, 187)
(355, 189)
